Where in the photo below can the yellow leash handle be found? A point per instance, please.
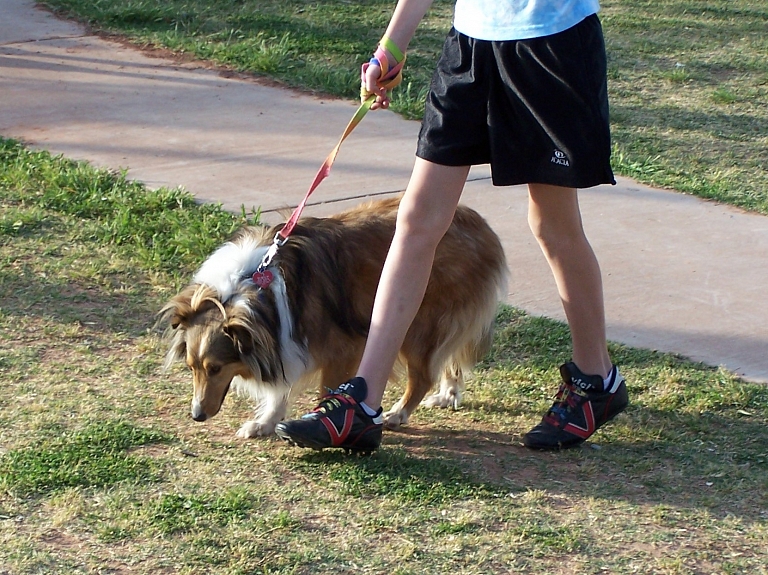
(390, 76)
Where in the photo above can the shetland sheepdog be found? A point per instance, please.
(310, 324)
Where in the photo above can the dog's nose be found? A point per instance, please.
(197, 413)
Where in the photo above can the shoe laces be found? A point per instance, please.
(568, 398)
(333, 400)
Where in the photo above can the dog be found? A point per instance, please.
(310, 324)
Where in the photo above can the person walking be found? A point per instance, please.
(521, 85)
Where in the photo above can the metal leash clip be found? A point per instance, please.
(262, 277)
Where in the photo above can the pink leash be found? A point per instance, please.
(263, 277)
(391, 77)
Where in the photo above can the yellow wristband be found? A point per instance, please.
(392, 48)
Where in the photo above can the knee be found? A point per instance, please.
(421, 227)
(554, 216)
(537, 227)
(556, 236)
(545, 232)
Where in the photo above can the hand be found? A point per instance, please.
(382, 73)
(370, 85)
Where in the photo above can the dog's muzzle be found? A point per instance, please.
(197, 412)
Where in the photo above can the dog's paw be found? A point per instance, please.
(395, 418)
(443, 398)
(255, 429)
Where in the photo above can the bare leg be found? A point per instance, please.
(555, 220)
(425, 213)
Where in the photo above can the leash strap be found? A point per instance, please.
(390, 78)
(325, 169)
(263, 278)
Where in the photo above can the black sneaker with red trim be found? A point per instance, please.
(338, 421)
(581, 406)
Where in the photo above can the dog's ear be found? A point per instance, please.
(176, 316)
(257, 349)
(241, 335)
(180, 310)
(176, 320)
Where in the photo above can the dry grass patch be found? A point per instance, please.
(103, 471)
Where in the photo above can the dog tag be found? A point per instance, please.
(263, 279)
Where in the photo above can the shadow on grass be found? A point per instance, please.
(93, 456)
(730, 126)
(718, 464)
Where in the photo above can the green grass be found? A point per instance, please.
(688, 81)
(94, 456)
(102, 470)
(176, 513)
(156, 226)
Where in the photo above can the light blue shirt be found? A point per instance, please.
(519, 19)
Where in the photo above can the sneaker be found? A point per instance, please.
(338, 421)
(581, 407)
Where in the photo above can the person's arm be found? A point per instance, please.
(402, 27)
(405, 20)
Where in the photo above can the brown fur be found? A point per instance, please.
(331, 268)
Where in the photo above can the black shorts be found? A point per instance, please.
(536, 110)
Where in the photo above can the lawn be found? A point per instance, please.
(103, 471)
(688, 79)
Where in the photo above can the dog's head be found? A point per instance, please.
(219, 341)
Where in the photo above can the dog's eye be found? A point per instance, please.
(213, 369)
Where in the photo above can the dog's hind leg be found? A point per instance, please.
(452, 384)
(451, 389)
(418, 385)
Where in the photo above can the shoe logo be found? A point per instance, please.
(560, 159)
(581, 384)
(617, 381)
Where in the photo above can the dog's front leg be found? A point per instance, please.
(269, 413)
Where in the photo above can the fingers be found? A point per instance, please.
(382, 103)
(371, 85)
(382, 73)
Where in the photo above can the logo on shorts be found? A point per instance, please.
(560, 159)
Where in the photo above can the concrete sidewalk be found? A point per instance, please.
(680, 274)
